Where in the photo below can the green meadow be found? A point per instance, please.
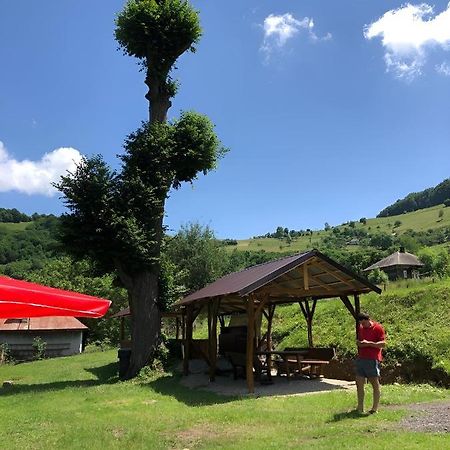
(421, 220)
(78, 403)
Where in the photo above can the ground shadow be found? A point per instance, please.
(106, 374)
(170, 386)
(354, 414)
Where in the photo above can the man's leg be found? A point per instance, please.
(375, 382)
(360, 390)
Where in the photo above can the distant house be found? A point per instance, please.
(400, 264)
(354, 241)
(63, 336)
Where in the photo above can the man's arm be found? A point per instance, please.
(364, 343)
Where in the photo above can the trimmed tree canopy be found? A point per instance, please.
(159, 31)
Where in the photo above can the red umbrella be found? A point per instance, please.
(23, 299)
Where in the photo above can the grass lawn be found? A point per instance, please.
(77, 402)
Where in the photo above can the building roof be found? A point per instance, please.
(42, 324)
(397, 259)
(286, 280)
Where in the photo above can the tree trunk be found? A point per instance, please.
(145, 320)
(158, 98)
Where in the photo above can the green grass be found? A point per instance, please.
(421, 220)
(78, 403)
(13, 227)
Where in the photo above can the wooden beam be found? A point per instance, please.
(250, 343)
(297, 293)
(291, 283)
(335, 275)
(348, 305)
(305, 277)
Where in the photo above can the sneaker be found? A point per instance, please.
(373, 411)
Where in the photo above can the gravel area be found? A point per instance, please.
(433, 417)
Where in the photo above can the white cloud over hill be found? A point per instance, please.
(35, 177)
(408, 34)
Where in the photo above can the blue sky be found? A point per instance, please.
(331, 110)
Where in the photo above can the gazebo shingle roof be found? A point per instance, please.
(396, 259)
(305, 275)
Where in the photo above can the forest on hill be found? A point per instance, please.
(419, 200)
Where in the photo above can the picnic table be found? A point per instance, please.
(295, 362)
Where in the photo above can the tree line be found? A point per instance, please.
(15, 216)
(433, 196)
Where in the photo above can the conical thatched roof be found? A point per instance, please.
(396, 259)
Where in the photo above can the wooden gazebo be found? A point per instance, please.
(303, 278)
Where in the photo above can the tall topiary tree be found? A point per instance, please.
(117, 217)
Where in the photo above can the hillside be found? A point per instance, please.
(419, 222)
(419, 200)
(26, 246)
(415, 318)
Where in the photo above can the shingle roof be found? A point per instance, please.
(397, 259)
(42, 324)
(284, 279)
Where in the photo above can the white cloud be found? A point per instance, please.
(35, 177)
(443, 69)
(407, 34)
(279, 29)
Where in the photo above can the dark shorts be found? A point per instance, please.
(367, 368)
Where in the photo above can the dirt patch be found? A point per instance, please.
(118, 432)
(193, 436)
(433, 417)
(199, 434)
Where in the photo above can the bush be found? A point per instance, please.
(5, 353)
(39, 347)
(377, 276)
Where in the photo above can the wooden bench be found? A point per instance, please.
(306, 362)
(239, 363)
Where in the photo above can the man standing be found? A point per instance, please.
(371, 339)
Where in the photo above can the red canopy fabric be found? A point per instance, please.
(20, 299)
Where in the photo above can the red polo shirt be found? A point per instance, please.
(374, 333)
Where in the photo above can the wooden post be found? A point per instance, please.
(250, 343)
(357, 311)
(177, 325)
(183, 324)
(269, 337)
(213, 309)
(188, 339)
(349, 306)
(308, 313)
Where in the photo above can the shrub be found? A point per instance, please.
(5, 353)
(39, 347)
(377, 276)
